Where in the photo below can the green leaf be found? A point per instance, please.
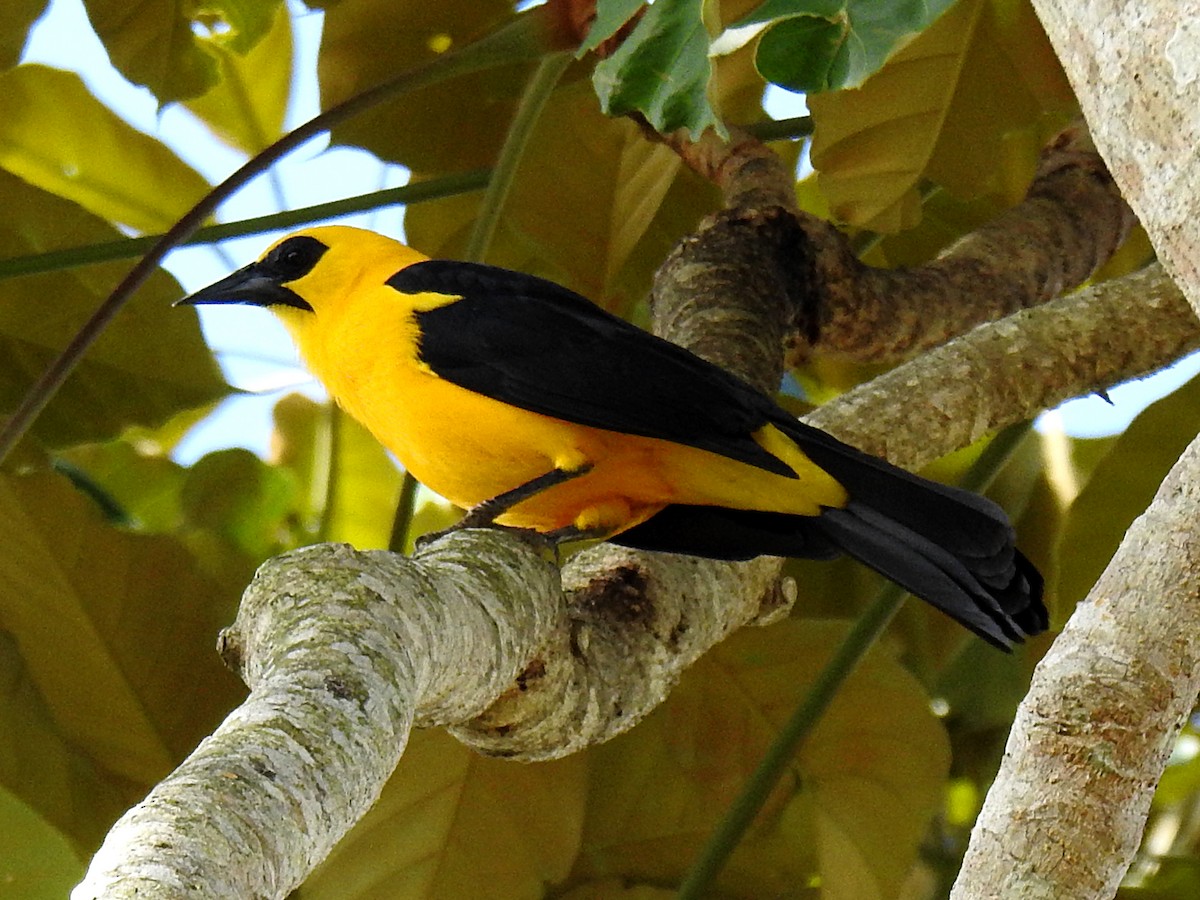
(821, 45)
(151, 362)
(154, 46)
(115, 634)
(451, 823)
(56, 135)
(16, 18)
(610, 16)
(662, 70)
(144, 487)
(36, 861)
(246, 107)
(1121, 487)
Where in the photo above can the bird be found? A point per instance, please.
(533, 408)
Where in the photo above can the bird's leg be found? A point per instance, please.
(484, 515)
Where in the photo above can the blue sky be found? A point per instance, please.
(255, 353)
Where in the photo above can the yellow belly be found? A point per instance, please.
(470, 448)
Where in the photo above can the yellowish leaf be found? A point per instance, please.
(115, 630)
(365, 42)
(246, 107)
(56, 135)
(36, 861)
(871, 773)
(151, 362)
(453, 824)
(931, 113)
(593, 205)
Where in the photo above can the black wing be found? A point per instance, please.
(538, 346)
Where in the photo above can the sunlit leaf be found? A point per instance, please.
(116, 631)
(453, 824)
(150, 363)
(346, 476)
(628, 202)
(56, 135)
(154, 45)
(238, 24)
(246, 107)
(821, 45)
(662, 70)
(365, 42)
(872, 772)
(920, 116)
(16, 18)
(36, 861)
(1121, 487)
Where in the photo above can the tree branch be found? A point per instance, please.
(1065, 815)
(1090, 741)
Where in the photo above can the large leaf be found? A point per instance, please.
(628, 201)
(56, 135)
(16, 18)
(157, 45)
(922, 116)
(870, 776)
(36, 861)
(662, 70)
(151, 362)
(348, 481)
(821, 45)
(247, 106)
(453, 824)
(115, 633)
(450, 126)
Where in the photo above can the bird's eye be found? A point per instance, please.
(294, 258)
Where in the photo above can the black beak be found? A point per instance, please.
(248, 285)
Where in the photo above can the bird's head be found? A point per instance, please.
(311, 276)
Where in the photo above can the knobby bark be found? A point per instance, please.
(1065, 815)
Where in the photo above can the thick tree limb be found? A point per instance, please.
(1090, 740)
(827, 302)
(1065, 815)
(1134, 69)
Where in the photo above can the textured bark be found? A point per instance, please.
(1134, 67)
(1090, 741)
(1065, 815)
(1070, 222)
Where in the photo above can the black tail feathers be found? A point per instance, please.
(947, 546)
(950, 547)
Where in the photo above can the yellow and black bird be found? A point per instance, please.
(532, 407)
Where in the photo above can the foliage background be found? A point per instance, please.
(119, 563)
